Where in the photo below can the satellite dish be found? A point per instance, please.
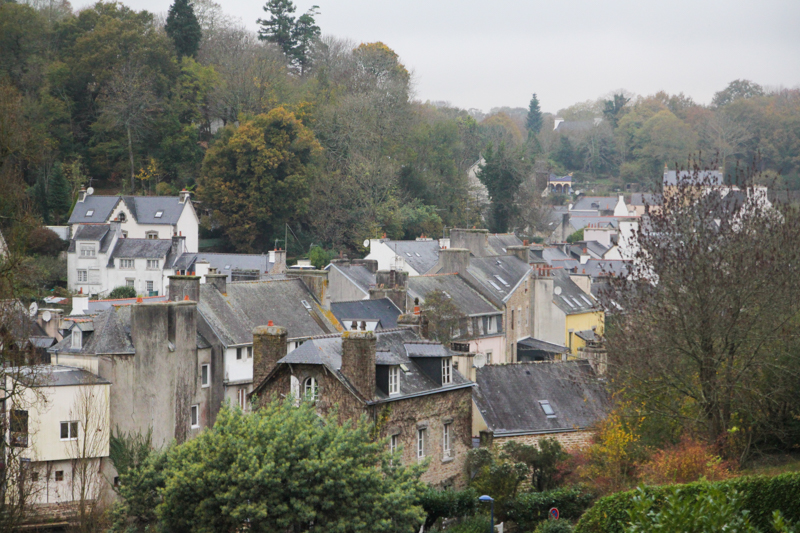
(366, 243)
(557, 291)
(34, 308)
(90, 191)
(46, 316)
(479, 360)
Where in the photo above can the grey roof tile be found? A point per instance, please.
(508, 397)
(498, 243)
(382, 310)
(466, 298)
(227, 263)
(146, 208)
(59, 376)
(569, 297)
(422, 256)
(100, 208)
(361, 276)
(595, 203)
(141, 249)
(498, 274)
(91, 232)
(110, 335)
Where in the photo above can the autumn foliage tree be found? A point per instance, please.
(255, 178)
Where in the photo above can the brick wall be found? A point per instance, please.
(570, 440)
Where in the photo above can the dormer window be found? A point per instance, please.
(90, 212)
(447, 370)
(87, 251)
(151, 235)
(394, 380)
(77, 338)
(547, 408)
(159, 214)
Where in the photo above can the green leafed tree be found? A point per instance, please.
(534, 121)
(502, 175)
(183, 28)
(255, 178)
(297, 472)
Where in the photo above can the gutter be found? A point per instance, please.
(545, 432)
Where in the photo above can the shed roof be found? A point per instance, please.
(508, 397)
(59, 376)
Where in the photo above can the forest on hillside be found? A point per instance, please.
(291, 132)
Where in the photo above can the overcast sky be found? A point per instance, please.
(490, 54)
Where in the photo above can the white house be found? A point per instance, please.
(60, 426)
(100, 258)
(141, 217)
(416, 257)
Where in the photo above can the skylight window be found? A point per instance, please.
(90, 212)
(305, 304)
(585, 299)
(568, 302)
(159, 214)
(547, 408)
(408, 254)
(447, 295)
(404, 368)
(227, 267)
(496, 286)
(501, 280)
(576, 301)
(417, 254)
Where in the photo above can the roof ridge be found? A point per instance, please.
(118, 299)
(220, 253)
(437, 274)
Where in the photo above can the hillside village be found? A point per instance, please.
(252, 281)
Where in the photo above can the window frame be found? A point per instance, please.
(447, 451)
(194, 416)
(83, 276)
(239, 353)
(205, 375)
(422, 439)
(17, 433)
(149, 286)
(59, 475)
(76, 338)
(70, 426)
(394, 380)
(545, 405)
(311, 383)
(492, 326)
(241, 397)
(151, 235)
(127, 264)
(130, 282)
(88, 250)
(447, 370)
(153, 264)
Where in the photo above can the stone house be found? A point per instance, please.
(409, 387)
(526, 402)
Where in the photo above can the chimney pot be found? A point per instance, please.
(416, 309)
(139, 300)
(270, 323)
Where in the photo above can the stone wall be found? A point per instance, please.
(570, 440)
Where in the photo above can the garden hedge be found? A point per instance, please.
(761, 495)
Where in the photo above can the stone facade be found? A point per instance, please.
(569, 440)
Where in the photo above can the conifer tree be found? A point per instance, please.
(58, 195)
(183, 28)
(534, 121)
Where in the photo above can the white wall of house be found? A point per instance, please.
(621, 210)
(387, 259)
(239, 369)
(601, 235)
(494, 346)
(627, 237)
(96, 280)
(139, 276)
(188, 225)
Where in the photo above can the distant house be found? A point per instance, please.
(560, 184)
(527, 402)
(643, 202)
(391, 374)
(238, 267)
(415, 257)
(141, 217)
(481, 243)
(366, 315)
(350, 280)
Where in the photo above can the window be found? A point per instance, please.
(393, 445)
(90, 212)
(88, 251)
(492, 325)
(152, 264)
(34, 477)
(149, 286)
(547, 408)
(151, 235)
(121, 217)
(59, 475)
(159, 214)
(421, 438)
(241, 397)
(446, 440)
(69, 431)
(488, 357)
(205, 378)
(519, 316)
(126, 263)
(77, 338)
(512, 320)
(294, 389)
(311, 389)
(19, 428)
(195, 416)
(238, 353)
(249, 352)
(83, 276)
(129, 282)
(394, 380)
(447, 370)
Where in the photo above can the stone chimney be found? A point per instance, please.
(520, 252)
(369, 264)
(565, 227)
(391, 284)
(316, 281)
(182, 286)
(358, 361)
(474, 240)
(417, 321)
(453, 260)
(82, 195)
(51, 325)
(220, 281)
(269, 347)
(178, 245)
(80, 305)
(279, 266)
(184, 196)
(545, 325)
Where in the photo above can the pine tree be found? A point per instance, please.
(58, 195)
(534, 122)
(293, 36)
(183, 28)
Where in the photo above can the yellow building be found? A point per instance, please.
(581, 313)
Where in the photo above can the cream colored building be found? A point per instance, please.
(60, 426)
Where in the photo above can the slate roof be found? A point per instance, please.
(703, 177)
(580, 222)
(248, 304)
(468, 299)
(596, 248)
(499, 274)
(141, 249)
(553, 177)
(595, 203)
(575, 125)
(422, 256)
(59, 376)
(605, 267)
(101, 207)
(508, 396)
(382, 310)
(426, 349)
(110, 335)
(359, 275)
(570, 298)
(96, 306)
(390, 349)
(540, 345)
(498, 243)
(92, 232)
(641, 199)
(226, 263)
